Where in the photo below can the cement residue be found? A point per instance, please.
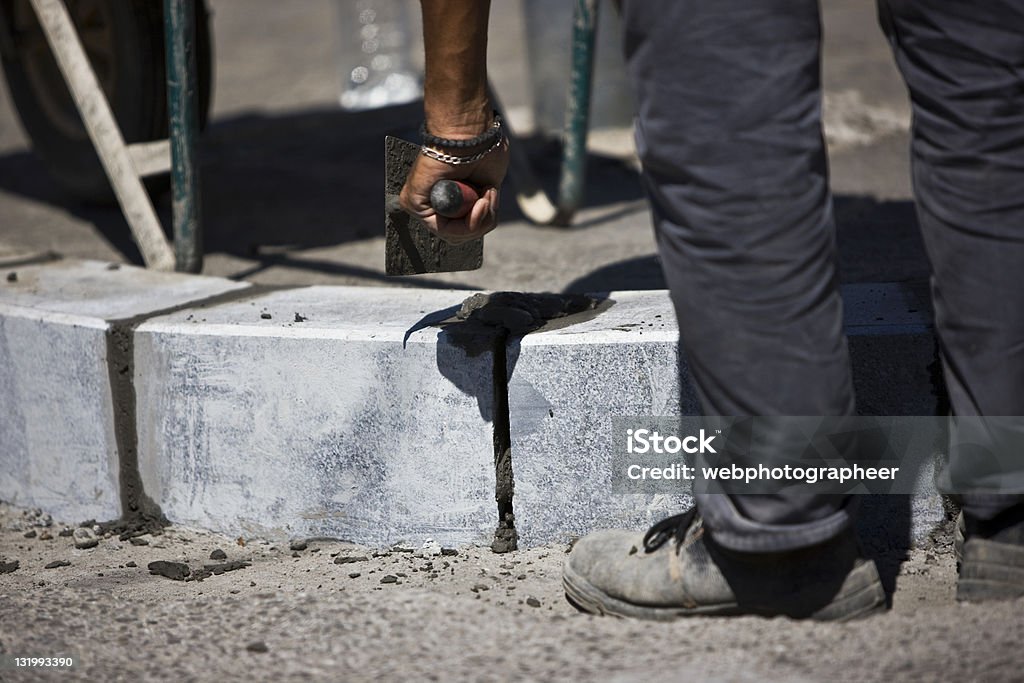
(494, 323)
(519, 313)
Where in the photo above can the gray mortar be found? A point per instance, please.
(511, 315)
(136, 506)
(139, 513)
(518, 313)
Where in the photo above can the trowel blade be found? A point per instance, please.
(410, 247)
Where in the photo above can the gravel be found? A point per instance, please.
(85, 538)
(177, 571)
(321, 623)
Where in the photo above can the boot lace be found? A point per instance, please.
(671, 527)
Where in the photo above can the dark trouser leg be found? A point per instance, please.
(729, 133)
(963, 63)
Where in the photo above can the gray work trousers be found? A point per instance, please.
(729, 134)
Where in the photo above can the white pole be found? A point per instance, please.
(104, 132)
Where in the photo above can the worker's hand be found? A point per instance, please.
(485, 176)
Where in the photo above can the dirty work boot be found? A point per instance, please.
(678, 570)
(992, 563)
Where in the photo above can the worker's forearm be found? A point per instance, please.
(455, 93)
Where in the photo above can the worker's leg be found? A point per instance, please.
(963, 63)
(729, 133)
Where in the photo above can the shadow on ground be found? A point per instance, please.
(276, 183)
(879, 241)
(280, 183)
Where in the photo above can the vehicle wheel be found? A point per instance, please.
(124, 40)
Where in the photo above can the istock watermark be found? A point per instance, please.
(641, 441)
(829, 455)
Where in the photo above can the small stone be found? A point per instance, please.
(240, 541)
(257, 646)
(226, 566)
(199, 575)
(57, 563)
(354, 575)
(66, 532)
(532, 601)
(8, 567)
(130, 563)
(298, 544)
(85, 538)
(449, 552)
(265, 316)
(300, 318)
(177, 571)
(46, 536)
(431, 548)
(295, 554)
(218, 554)
(390, 578)
(348, 559)
(113, 266)
(138, 540)
(930, 559)
(12, 276)
(31, 533)
(477, 588)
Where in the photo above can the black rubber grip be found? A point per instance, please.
(452, 199)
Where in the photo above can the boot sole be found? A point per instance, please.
(990, 571)
(862, 594)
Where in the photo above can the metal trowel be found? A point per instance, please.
(410, 247)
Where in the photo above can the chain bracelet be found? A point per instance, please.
(452, 160)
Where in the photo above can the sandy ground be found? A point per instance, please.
(286, 176)
(466, 614)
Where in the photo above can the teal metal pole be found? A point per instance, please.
(577, 112)
(183, 113)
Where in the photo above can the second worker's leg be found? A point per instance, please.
(729, 133)
(963, 63)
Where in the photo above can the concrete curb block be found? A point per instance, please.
(61, 444)
(353, 413)
(566, 384)
(320, 412)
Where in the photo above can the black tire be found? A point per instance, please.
(125, 43)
